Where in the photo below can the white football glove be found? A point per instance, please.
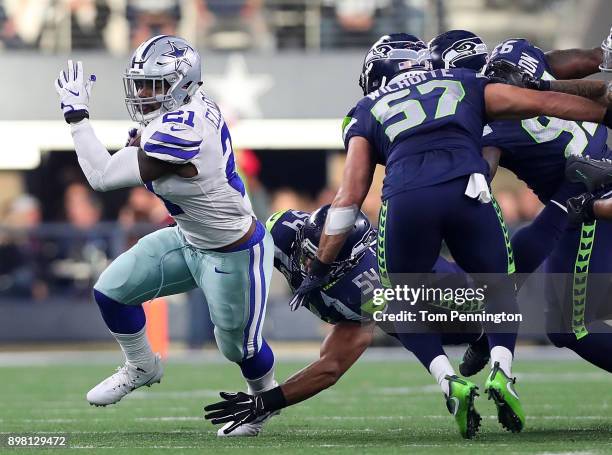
(606, 47)
(74, 92)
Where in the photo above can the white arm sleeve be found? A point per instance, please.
(104, 171)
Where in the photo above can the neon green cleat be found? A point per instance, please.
(460, 403)
(509, 409)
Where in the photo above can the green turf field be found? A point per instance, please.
(379, 407)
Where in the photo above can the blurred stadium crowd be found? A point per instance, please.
(118, 25)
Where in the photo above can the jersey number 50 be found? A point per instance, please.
(413, 111)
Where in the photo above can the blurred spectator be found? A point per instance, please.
(148, 18)
(371, 207)
(8, 32)
(83, 209)
(529, 204)
(358, 23)
(83, 251)
(142, 207)
(289, 23)
(24, 213)
(249, 166)
(143, 213)
(287, 198)
(232, 24)
(24, 265)
(88, 19)
(326, 196)
(508, 203)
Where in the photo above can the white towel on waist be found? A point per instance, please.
(478, 188)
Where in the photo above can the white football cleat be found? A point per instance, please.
(127, 378)
(248, 429)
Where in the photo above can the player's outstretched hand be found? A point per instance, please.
(239, 408)
(505, 72)
(606, 47)
(580, 209)
(313, 282)
(74, 92)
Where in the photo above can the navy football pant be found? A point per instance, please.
(578, 292)
(412, 226)
(533, 243)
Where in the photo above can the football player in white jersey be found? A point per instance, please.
(185, 157)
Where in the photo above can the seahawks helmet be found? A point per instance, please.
(360, 238)
(458, 49)
(169, 69)
(390, 55)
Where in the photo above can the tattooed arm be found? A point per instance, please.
(600, 91)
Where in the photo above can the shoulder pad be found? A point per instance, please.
(271, 221)
(171, 141)
(291, 219)
(348, 121)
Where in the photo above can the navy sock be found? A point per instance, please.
(425, 346)
(507, 340)
(260, 364)
(120, 318)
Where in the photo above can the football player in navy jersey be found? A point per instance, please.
(347, 303)
(536, 151)
(426, 126)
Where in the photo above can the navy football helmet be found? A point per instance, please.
(360, 238)
(458, 49)
(390, 55)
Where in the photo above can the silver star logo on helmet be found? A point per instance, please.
(177, 55)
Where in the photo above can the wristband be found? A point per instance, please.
(543, 85)
(273, 400)
(76, 116)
